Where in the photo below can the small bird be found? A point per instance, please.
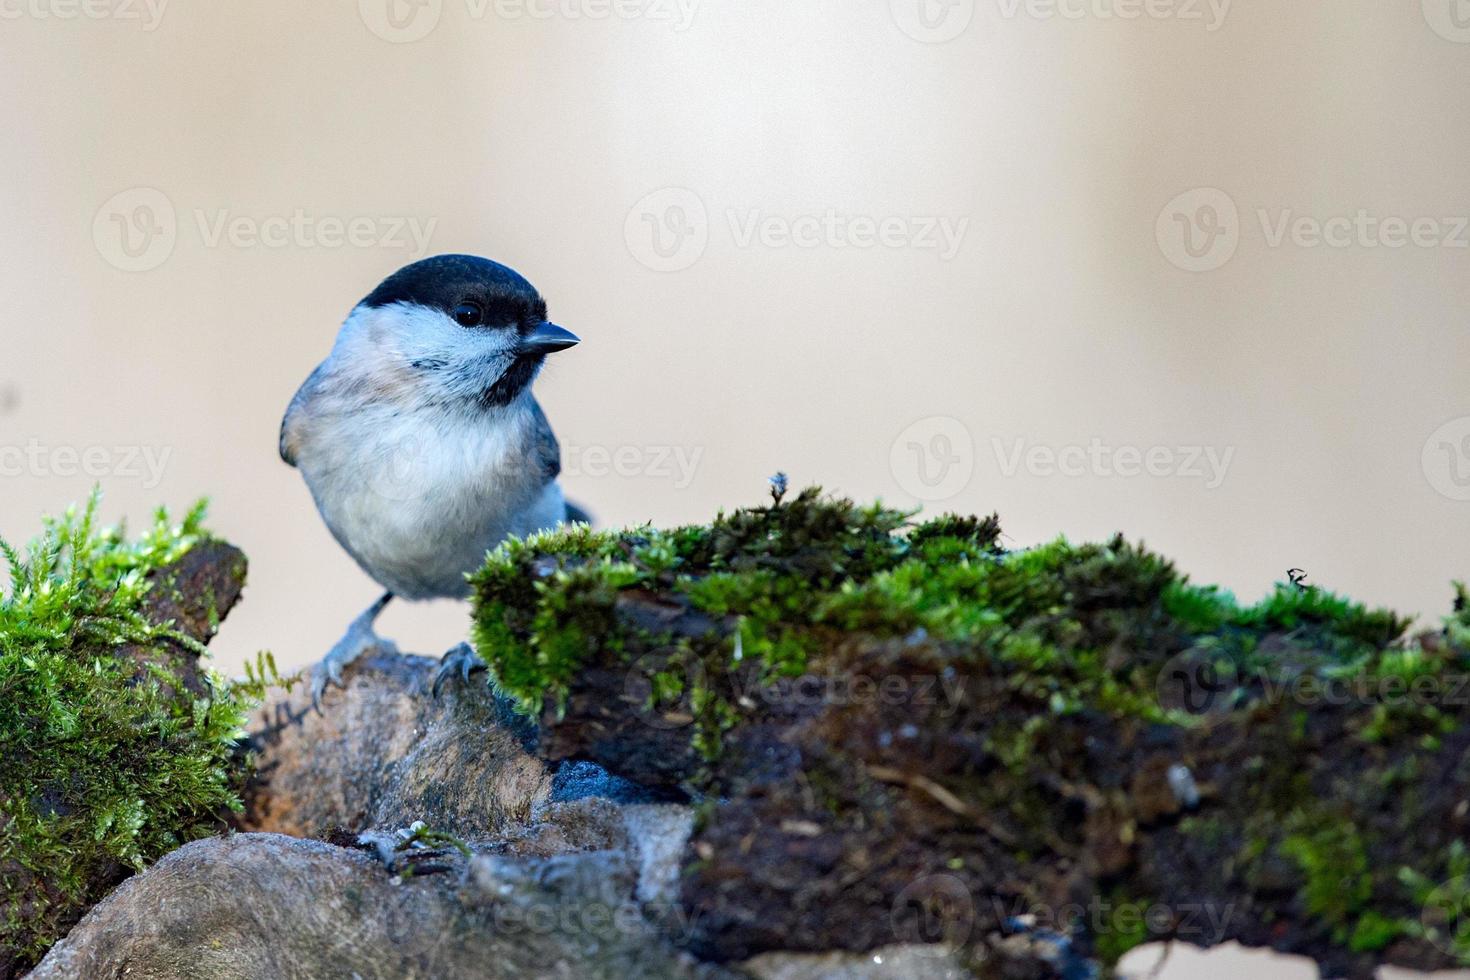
(420, 440)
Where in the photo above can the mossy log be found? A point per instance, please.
(905, 733)
(116, 745)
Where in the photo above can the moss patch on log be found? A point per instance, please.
(885, 706)
(115, 746)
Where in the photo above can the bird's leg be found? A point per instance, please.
(462, 660)
(358, 639)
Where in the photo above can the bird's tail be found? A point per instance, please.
(576, 515)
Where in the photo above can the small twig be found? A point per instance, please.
(943, 797)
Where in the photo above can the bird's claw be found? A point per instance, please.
(462, 660)
(322, 675)
(328, 672)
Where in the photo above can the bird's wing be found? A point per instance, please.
(547, 450)
(548, 457)
(292, 424)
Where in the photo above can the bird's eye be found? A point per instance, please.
(468, 315)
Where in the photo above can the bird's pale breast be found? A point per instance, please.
(418, 500)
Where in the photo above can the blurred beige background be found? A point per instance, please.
(972, 254)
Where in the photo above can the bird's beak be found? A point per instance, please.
(547, 339)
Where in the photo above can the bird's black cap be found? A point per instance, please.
(445, 282)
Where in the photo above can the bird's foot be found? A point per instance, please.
(462, 660)
(414, 851)
(359, 639)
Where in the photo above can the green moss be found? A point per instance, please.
(1289, 608)
(1458, 625)
(546, 604)
(102, 764)
(1090, 623)
(1124, 929)
(1334, 862)
(1443, 898)
(1373, 932)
